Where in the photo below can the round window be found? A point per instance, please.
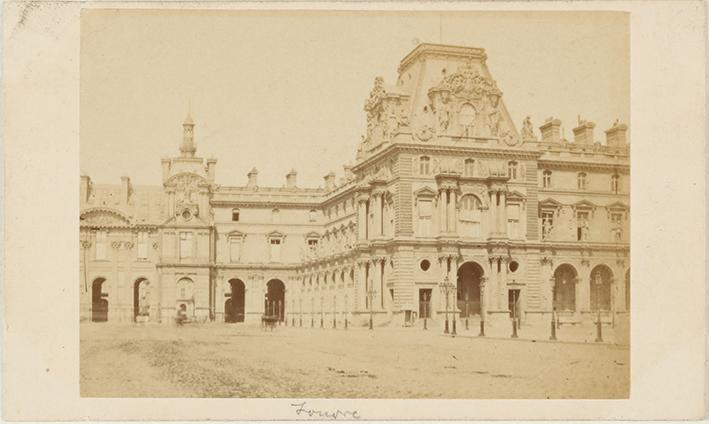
(514, 265)
(425, 265)
(186, 214)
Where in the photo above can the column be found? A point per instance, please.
(503, 284)
(493, 213)
(442, 228)
(453, 279)
(376, 267)
(452, 210)
(361, 287)
(443, 263)
(483, 297)
(361, 220)
(503, 213)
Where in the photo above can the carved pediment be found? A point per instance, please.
(104, 217)
(424, 192)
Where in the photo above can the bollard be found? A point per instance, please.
(322, 321)
(553, 328)
(371, 323)
(425, 323)
(345, 322)
(514, 328)
(312, 321)
(466, 323)
(334, 322)
(482, 328)
(599, 328)
(453, 333)
(301, 321)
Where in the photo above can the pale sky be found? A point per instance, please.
(282, 90)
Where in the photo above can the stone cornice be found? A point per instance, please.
(580, 165)
(265, 203)
(430, 49)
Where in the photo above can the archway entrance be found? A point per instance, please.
(99, 301)
(275, 299)
(565, 288)
(234, 306)
(468, 289)
(601, 277)
(141, 300)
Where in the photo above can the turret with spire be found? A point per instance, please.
(187, 148)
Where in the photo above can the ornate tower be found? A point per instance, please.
(187, 148)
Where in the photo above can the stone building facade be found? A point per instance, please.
(444, 188)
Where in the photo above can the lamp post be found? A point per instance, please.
(334, 312)
(599, 327)
(446, 287)
(425, 310)
(300, 318)
(322, 313)
(312, 312)
(482, 307)
(346, 312)
(370, 295)
(467, 327)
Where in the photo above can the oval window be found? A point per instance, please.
(425, 265)
(514, 265)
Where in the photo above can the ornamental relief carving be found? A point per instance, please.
(103, 219)
(386, 114)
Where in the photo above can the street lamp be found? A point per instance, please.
(446, 288)
(346, 312)
(334, 312)
(322, 313)
(426, 298)
(370, 295)
(466, 311)
(599, 328)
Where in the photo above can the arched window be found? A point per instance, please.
(185, 289)
(470, 216)
(424, 165)
(615, 183)
(235, 214)
(546, 179)
(565, 288)
(581, 180)
(467, 119)
(313, 215)
(601, 288)
(512, 170)
(469, 167)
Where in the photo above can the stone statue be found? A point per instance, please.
(443, 116)
(527, 130)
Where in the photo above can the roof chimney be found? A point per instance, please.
(291, 178)
(616, 136)
(330, 181)
(125, 190)
(583, 134)
(187, 148)
(253, 178)
(551, 130)
(211, 169)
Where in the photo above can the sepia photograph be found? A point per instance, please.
(295, 204)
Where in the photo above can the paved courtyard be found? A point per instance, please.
(221, 360)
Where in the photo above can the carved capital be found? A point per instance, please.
(85, 244)
(156, 245)
(116, 244)
(128, 245)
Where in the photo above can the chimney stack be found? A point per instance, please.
(330, 181)
(84, 188)
(125, 190)
(187, 148)
(253, 178)
(291, 179)
(616, 136)
(211, 169)
(551, 130)
(165, 168)
(583, 134)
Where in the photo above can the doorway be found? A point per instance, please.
(513, 302)
(99, 301)
(234, 306)
(425, 303)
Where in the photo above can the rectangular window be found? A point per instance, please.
(513, 221)
(235, 249)
(101, 240)
(312, 244)
(275, 250)
(616, 218)
(425, 213)
(235, 215)
(185, 245)
(142, 245)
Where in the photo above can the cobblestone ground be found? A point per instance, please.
(222, 360)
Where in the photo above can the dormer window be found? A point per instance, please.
(615, 183)
(512, 170)
(235, 215)
(469, 167)
(581, 180)
(424, 165)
